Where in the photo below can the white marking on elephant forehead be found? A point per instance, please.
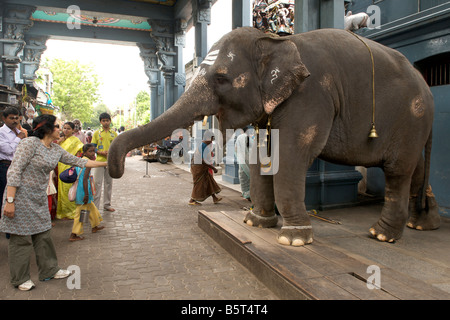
(231, 55)
(274, 74)
(211, 58)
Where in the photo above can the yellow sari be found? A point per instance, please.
(66, 208)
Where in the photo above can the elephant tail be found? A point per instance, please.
(427, 157)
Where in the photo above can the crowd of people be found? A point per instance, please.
(33, 194)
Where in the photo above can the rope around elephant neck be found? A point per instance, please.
(373, 82)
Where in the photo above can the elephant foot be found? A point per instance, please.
(427, 219)
(386, 233)
(295, 235)
(255, 220)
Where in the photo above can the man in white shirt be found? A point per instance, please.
(10, 136)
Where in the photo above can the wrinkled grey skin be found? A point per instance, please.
(318, 88)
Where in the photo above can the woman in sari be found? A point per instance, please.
(73, 145)
(202, 174)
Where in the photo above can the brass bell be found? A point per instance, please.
(373, 133)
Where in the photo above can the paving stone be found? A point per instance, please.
(151, 248)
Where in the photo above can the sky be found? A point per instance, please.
(122, 78)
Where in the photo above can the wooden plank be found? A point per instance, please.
(286, 266)
(394, 282)
(324, 260)
(345, 264)
(328, 262)
(266, 250)
(359, 288)
(271, 278)
(221, 220)
(317, 271)
(327, 290)
(406, 287)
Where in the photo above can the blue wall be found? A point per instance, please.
(440, 154)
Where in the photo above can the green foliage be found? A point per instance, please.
(75, 89)
(143, 107)
(93, 122)
(127, 117)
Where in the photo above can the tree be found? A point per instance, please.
(75, 89)
(93, 122)
(143, 107)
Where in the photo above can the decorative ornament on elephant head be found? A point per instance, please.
(318, 97)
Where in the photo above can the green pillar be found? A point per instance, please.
(314, 14)
(241, 14)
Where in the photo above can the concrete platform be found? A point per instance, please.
(335, 266)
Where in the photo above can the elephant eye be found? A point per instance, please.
(221, 79)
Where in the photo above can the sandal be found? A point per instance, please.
(109, 209)
(75, 238)
(97, 228)
(217, 200)
(194, 203)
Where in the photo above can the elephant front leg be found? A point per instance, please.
(261, 192)
(289, 198)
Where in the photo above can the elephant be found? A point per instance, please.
(322, 93)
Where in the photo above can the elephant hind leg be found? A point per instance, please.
(394, 214)
(422, 218)
(427, 218)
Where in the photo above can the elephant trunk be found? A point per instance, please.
(182, 114)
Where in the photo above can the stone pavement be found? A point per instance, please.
(151, 247)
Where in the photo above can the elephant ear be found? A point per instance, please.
(280, 70)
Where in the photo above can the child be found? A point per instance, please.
(102, 139)
(84, 200)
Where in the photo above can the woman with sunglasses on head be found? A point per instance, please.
(25, 214)
(65, 208)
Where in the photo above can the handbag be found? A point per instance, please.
(72, 195)
(69, 175)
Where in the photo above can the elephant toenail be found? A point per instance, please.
(284, 240)
(372, 231)
(381, 237)
(419, 228)
(298, 243)
(250, 223)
